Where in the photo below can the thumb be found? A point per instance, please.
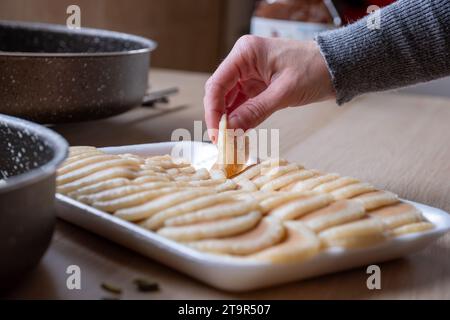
(257, 109)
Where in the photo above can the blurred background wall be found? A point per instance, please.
(192, 34)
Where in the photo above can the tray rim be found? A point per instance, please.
(204, 257)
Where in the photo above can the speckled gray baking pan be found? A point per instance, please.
(52, 74)
(29, 157)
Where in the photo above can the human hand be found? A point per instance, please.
(263, 75)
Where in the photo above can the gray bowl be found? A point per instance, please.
(29, 157)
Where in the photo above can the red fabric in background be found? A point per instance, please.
(352, 10)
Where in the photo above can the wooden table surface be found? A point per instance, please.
(397, 142)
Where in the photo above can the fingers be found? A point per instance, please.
(255, 110)
(216, 89)
(238, 100)
(214, 104)
(242, 91)
(232, 94)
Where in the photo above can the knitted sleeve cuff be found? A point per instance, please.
(411, 45)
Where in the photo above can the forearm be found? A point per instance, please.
(412, 45)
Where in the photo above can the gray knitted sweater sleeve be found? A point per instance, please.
(412, 45)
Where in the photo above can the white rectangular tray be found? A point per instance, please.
(234, 274)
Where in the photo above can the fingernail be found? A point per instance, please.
(212, 133)
(212, 137)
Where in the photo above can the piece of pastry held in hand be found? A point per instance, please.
(273, 211)
(232, 150)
